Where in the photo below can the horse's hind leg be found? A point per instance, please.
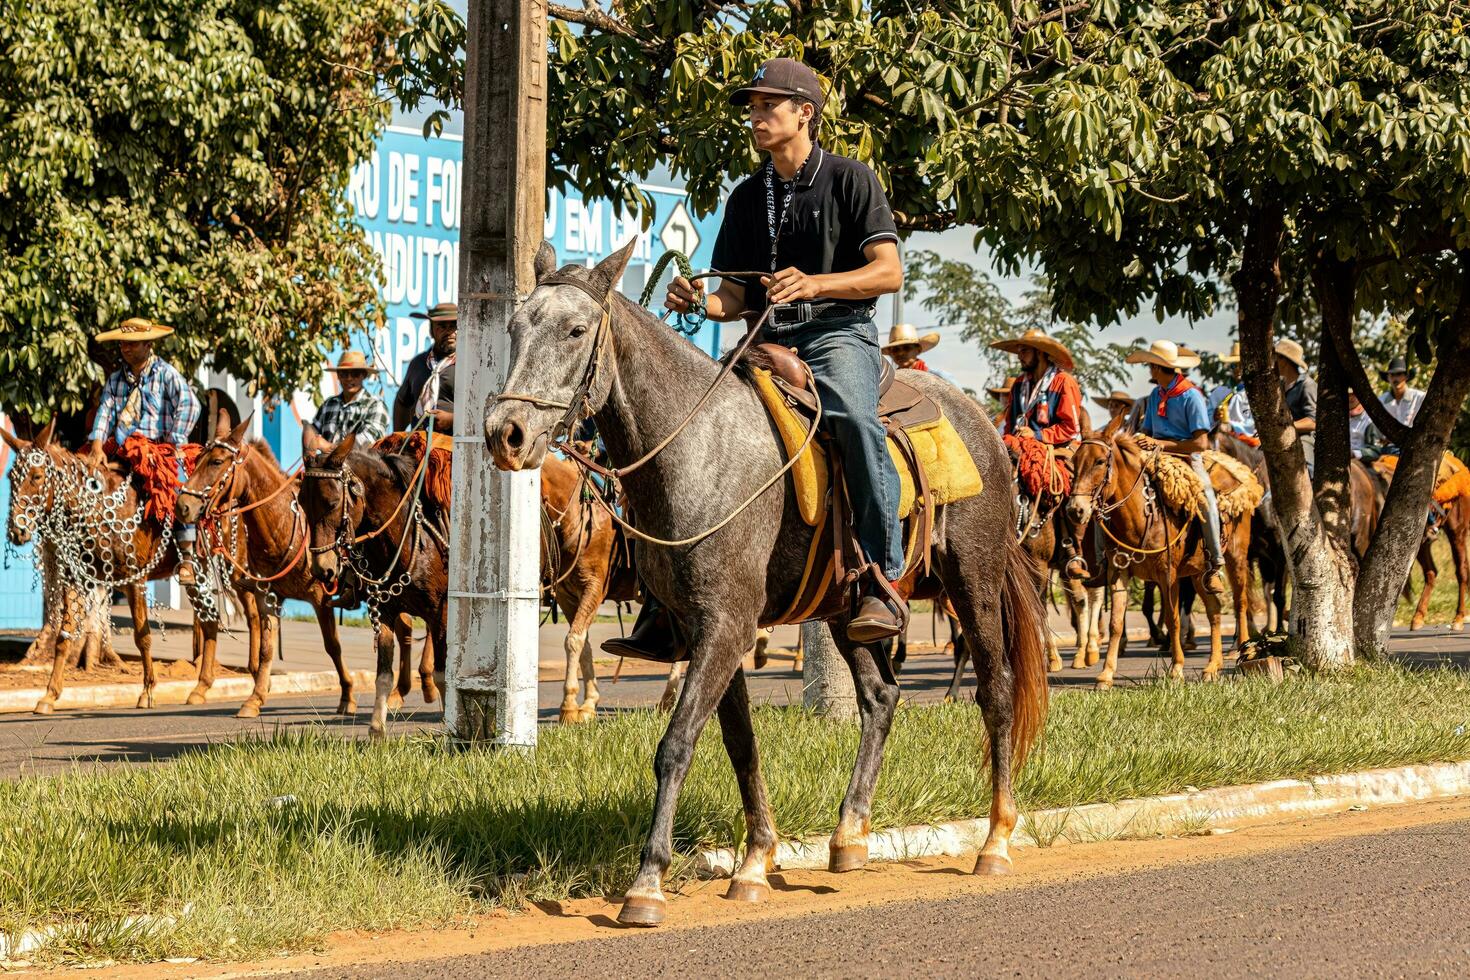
(1431, 575)
(402, 630)
(1212, 610)
(716, 649)
(383, 693)
(71, 620)
(1118, 587)
(749, 882)
(672, 687)
(877, 696)
(961, 655)
(1077, 606)
(1458, 550)
(270, 624)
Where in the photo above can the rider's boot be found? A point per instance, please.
(186, 571)
(874, 619)
(1211, 581)
(655, 635)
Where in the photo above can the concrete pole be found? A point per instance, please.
(494, 560)
(826, 682)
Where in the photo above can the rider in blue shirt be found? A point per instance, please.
(1176, 419)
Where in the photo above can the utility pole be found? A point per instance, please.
(494, 556)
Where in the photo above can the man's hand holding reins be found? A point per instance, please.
(790, 285)
(683, 294)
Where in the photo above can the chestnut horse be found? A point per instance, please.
(1150, 541)
(708, 468)
(240, 483)
(366, 515)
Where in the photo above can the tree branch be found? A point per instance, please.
(1336, 323)
(934, 221)
(1059, 14)
(592, 16)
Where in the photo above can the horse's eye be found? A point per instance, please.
(579, 330)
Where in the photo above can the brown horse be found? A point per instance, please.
(1453, 521)
(238, 483)
(366, 516)
(90, 523)
(580, 569)
(1152, 542)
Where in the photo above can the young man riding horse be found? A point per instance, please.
(353, 409)
(149, 398)
(822, 226)
(427, 391)
(1176, 420)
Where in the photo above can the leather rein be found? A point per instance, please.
(223, 490)
(580, 405)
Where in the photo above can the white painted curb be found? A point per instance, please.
(177, 692)
(1213, 808)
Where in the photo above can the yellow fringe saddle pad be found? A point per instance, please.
(1452, 480)
(947, 464)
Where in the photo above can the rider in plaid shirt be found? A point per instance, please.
(354, 410)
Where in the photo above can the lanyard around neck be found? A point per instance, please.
(774, 227)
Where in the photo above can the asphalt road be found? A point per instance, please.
(1385, 904)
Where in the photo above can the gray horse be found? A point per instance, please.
(640, 380)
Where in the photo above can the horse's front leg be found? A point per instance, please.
(877, 697)
(1118, 586)
(143, 639)
(716, 649)
(1169, 610)
(749, 882)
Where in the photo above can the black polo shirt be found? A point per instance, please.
(837, 210)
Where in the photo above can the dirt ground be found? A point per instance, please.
(811, 896)
(20, 677)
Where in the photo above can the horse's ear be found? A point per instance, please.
(343, 448)
(610, 270)
(10, 439)
(237, 437)
(312, 441)
(545, 260)
(44, 439)
(1110, 432)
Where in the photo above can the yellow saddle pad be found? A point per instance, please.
(947, 463)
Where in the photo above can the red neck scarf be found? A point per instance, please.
(1178, 386)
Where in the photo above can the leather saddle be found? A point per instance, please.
(900, 405)
(833, 570)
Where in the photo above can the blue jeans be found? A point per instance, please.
(846, 362)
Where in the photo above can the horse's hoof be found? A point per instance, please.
(1079, 663)
(376, 734)
(145, 700)
(395, 701)
(587, 713)
(43, 708)
(195, 697)
(248, 710)
(569, 716)
(431, 693)
(348, 707)
(949, 699)
(1054, 665)
(748, 891)
(846, 857)
(1210, 675)
(993, 864)
(1104, 683)
(1417, 623)
(1458, 625)
(642, 910)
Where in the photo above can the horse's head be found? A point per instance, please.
(331, 499)
(30, 491)
(1092, 471)
(560, 344)
(216, 474)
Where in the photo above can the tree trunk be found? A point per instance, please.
(1322, 571)
(826, 681)
(1401, 526)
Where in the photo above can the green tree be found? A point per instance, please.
(964, 295)
(189, 163)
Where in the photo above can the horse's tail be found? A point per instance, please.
(1022, 620)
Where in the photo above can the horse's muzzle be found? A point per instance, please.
(513, 441)
(1079, 509)
(325, 566)
(187, 510)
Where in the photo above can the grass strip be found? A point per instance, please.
(273, 843)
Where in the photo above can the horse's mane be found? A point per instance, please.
(401, 466)
(262, 448)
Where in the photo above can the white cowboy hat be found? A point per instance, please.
(1165, 353)
(1292, 351)
(904, 334)
(1038, 339)
(135, 328)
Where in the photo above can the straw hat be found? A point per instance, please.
(1292, 351)
(439, 313)
(1117, 395)
(1165, 353)
(353, 360)
(1004, 390)
(1234, 356)
(1038, 339)
(135, 328)
(904, 334)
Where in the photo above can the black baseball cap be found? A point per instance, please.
(782, 76)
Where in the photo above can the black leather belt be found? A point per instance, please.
(791, 314)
